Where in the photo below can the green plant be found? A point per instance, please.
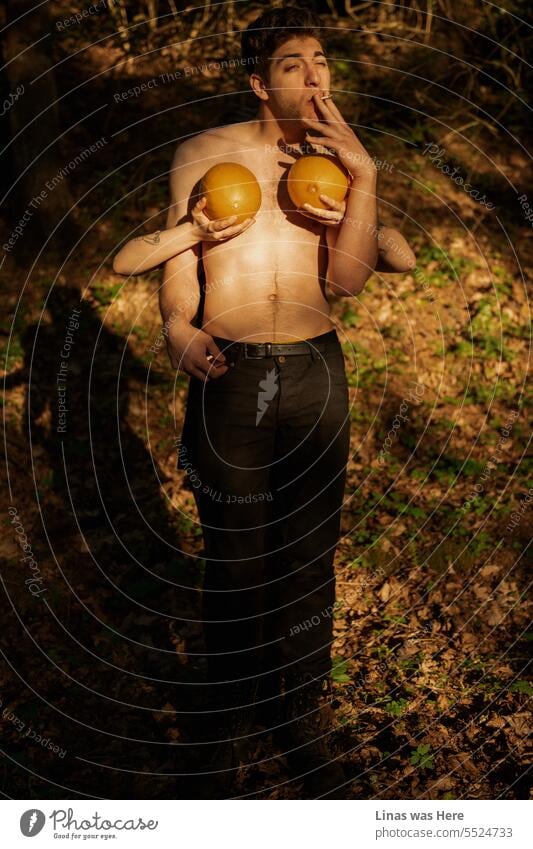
(140, 332)
(397, 708)
(421, 757)
(338, 671)
(349, 317)
(521, 687)
(106, 294)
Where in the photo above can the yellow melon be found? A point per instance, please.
(231, 189)
(316, 174)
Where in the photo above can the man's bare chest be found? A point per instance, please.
(271, 173)
(278, 223)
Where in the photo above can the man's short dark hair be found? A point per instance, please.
(270, 30)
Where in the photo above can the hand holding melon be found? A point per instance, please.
(218, 230)
(232, 196)
(317, 185)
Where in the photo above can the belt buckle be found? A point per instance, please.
(268, 350)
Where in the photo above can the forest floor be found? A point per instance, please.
(432, 630)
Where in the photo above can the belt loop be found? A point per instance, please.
(268, 346)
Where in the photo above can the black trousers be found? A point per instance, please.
(266, 447)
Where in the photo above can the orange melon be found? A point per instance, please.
(316, 174)
(231, 189)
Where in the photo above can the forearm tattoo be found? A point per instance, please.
(151, 239)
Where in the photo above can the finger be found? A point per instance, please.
(196, 372)
(210, 366)
(320, 127)
(320, 149)
(330, 104)
(200, 217)
(246, 223)
(326, 214)
(324, 109)
(217, 371)
(234, 231)
(197, 212)
(320, 106)
(319, 218)
(202, 368)
(316, 210)
(222, 223)
(314, 141)
(214, 350)
(323, 140)
(333, 204)
(242, 225)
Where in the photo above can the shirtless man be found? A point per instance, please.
(267, 425)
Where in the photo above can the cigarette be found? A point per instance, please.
(326, 96)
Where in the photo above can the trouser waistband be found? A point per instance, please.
(257, 350)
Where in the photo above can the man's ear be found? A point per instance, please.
(258, 86)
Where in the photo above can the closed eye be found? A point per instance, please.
(321, 64)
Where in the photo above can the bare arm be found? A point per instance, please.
(353, 258)
(394, 254)
(146, 252)
(179, 295)
(354, 255)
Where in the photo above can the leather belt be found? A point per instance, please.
(257, 350)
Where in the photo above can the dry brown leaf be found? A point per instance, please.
(384, 592)
(520, 723)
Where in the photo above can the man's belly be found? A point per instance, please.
(266, 289)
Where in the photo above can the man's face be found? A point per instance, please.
(298, 69)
